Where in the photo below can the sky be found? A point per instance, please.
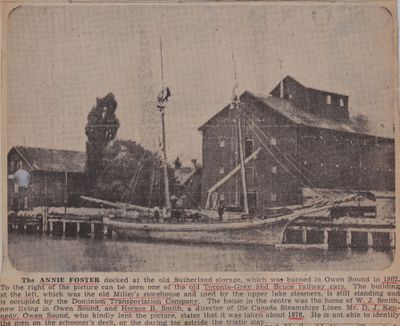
(60, 58)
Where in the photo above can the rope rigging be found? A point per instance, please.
(306, 180)
(280, 162)
(310, 155)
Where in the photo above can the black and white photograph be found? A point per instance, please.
(201, 137)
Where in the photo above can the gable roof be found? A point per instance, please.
(288, 109)
(52, 160)
(219, 113)
(295, 114)
(288, 77)
(278, 85)
(183, 174)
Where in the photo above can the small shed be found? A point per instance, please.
(57, 177)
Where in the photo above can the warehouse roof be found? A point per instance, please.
(295, 114)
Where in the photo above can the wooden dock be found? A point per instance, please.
(341, 232)
(54, 222)
(299, 233)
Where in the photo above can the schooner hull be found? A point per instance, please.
(259, 232)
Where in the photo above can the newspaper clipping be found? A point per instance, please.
(199, 163)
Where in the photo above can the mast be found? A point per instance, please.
(165, 165)
(236, 105)
(162, 98)
(241, 154)
(281, 83)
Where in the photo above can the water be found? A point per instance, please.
(42, 253)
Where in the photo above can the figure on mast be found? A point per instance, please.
(162, 100)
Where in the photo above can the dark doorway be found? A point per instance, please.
(359, 239)
(337, 239)
(315, 237)
(252, 201)
(248, 147)
(293, 236)
(381, 240)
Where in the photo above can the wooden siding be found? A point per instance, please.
(326, 158)
(45, 189)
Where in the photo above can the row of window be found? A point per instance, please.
(274, 170)
(328, 100)
(248, 144)
(344, 140)
(351, 166)
(16, 165)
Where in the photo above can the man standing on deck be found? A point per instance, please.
(221, 207)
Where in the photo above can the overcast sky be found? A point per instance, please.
(61, 58)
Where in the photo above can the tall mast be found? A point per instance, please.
(236, 106)
(241, 153)
(162, 98)
(281, 83)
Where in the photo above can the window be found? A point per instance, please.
(290, 96)
(248, 147)
(341, 102)
(274, 196)
(273, 141)
(274, 169)
(221, 170)
(12, 167)
(328, 99)
(221, 142)
(19, 165)
(16, 188)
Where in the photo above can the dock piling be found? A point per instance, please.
(370, 240)
(392, 237)
(326, 235)
(304, 235)
(348, 238)
(45, 218)
(92, 230)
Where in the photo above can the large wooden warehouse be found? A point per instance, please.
(305, 139)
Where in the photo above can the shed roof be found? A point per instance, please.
(183, 174)
(52, 160)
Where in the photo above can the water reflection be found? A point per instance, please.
(56, 254)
